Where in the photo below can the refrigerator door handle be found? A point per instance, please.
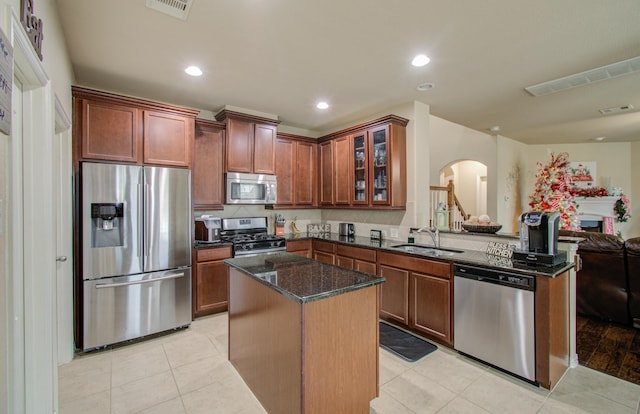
(147, 222)
(139, 282)
(140, 238)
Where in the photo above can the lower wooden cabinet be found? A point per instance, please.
(394, 294)
(418, 293)
(300, 247)
(210, 288)
(356, 258)
(324, 251)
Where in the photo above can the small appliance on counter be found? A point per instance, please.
(208, 229)
(539, 239)
(346, 229)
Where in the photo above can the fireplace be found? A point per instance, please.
(593, 211)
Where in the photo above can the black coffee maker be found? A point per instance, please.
(539, 239)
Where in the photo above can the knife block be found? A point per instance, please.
(279, 229)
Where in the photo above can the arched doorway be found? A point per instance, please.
(470, 183)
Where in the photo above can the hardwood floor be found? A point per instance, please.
(610, 348)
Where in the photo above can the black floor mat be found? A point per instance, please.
(403, 344)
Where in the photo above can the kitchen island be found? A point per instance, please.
(304, 334)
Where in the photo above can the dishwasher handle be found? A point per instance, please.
(495, 276)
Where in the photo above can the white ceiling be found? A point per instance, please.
(282, 56)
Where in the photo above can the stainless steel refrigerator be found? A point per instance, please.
(136, 251)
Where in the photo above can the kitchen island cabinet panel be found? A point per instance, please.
(304, 348)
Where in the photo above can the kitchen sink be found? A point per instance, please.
(426, 250)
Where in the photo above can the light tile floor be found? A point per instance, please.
(187, 372)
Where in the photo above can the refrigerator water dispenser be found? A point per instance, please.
(107, 223)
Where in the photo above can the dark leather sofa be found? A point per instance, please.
(632, 248)
(608, 284)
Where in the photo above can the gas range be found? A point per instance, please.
(249, 236)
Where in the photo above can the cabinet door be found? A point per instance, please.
(264, 142)
(111, 132)
(366, 267)
(208, 170)
(324, 257)
(326, 173)
(285, 171)
(394, 294)
(378, 164)
(239, 146)
(305, 178)
(346, 262)
(212, 285)
(360, 169)
(167, 139)
(430, 304)
(342, 180)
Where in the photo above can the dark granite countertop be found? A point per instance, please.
(301, 279)
(470, 257)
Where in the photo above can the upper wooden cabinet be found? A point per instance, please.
(118, 128)
(250, 143)
(334, 180)
(296, 171)
(208, 167)
(368, 165)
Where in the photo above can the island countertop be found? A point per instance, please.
(301, 279)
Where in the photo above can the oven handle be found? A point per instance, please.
(139, 282)
(260, 251)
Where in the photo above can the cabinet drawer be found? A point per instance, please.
(324, 246)
(368, 255)
(431, 267)
(297, 245)
(213, 253)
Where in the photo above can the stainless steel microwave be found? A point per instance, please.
(251, 188)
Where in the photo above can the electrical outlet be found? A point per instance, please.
(394, 233)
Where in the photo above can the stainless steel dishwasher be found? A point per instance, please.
(494, 318)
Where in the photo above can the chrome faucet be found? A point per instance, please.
(434, 233)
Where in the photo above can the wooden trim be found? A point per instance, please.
(223, 115)
(210, 125)
(389, 119)
(294, 137)
(552, 329)
(86, 93)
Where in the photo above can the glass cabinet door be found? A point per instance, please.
(360, 169)
(379, 171)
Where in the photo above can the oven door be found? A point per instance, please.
(250, 189)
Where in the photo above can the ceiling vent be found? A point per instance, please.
(616, 109)
(174, 8)
(611, 71)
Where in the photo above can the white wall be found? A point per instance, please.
(38, 315)
(451, 142)
(512, 194)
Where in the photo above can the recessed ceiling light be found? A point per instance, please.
(420, 60)
(495, 129)
(193, 71)
(599, 138)
(425, 86)
(322, 105)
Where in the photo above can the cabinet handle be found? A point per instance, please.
(61, 259)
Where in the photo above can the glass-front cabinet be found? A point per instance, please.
(360, 168)
(379, 171)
